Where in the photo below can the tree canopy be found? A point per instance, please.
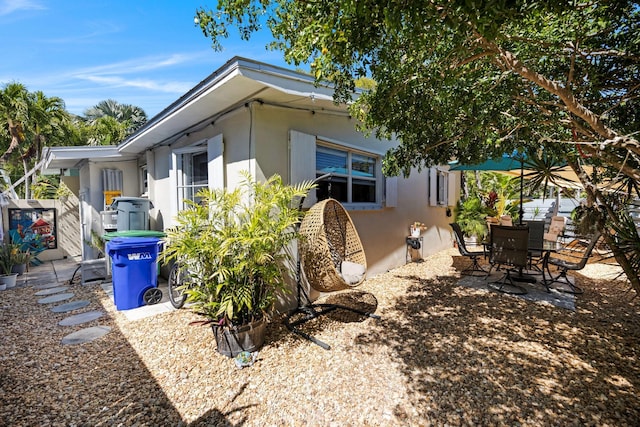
(468, 80)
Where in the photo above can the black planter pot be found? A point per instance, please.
(19, 268)
(233, 340)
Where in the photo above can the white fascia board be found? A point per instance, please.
(292, 85)
(160, 127)
(72, 157)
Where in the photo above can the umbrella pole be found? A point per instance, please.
(521, 190)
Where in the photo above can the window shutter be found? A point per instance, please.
(452, 190)
(174, 178)
(433, 187)
(215, 162)
(391, 192)
(302, 161)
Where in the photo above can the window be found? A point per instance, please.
(438, 187)
(144, 183)
(192, 173)
(353, 175)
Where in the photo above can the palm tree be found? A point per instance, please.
(49, 123)
(131, 116)
(31, 120)
(14, 112)
(105, 130)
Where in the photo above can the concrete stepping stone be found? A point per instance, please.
(79, 318)
(51, 291)
(46, 286)
(56, 298)
(85, 335)
(70, 306)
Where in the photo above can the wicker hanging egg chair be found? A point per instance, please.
(331, 252)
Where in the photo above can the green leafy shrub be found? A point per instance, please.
(235, 247)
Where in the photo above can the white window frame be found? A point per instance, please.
(302, 153)
(376, 179)
(177, 159)
(144, 181)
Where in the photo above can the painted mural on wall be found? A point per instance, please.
(33, 229)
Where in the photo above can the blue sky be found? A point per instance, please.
(142, 52)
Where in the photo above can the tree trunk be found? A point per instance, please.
(478, 181)
(26, 180)
(17, 136)
(465, 186)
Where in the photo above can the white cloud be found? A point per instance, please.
(115, 81)
(145, 64)
(101, 30)
(9, 6)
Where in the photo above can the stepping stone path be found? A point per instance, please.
(51, 291)
(80, 318)
(70, 306)
(85, 335)
(56, 298)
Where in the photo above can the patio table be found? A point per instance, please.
(548, 247)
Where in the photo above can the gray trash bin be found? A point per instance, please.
(133, 213)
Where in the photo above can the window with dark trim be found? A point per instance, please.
(353, 174)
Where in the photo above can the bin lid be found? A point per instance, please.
(133, 233)
(116, 200)
(131, 242)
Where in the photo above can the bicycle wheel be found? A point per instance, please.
(176, 293)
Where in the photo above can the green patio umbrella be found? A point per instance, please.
(508, 162)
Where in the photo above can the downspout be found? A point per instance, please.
(252, 154)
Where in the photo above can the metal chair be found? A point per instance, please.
(571, 260)
(473, 255)
(509, 247)
(536, 243)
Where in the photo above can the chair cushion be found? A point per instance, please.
(352, 272)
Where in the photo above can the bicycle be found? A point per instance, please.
(177, 285)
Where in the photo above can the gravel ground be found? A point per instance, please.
(442, 354)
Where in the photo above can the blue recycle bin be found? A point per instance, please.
(134, 271)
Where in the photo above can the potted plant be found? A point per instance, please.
(417, 228)
(7, 253)
(20, 261)
(470, 215)
(235, 246)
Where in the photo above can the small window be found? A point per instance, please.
(144, 181)
(438, 187)
(192, 174)
(353, 175)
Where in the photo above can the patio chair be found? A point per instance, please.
(571, 259)
(508, 248)
(555, 228)
(331, 258)
(472, 255)
(331, 252)
(536, 243)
